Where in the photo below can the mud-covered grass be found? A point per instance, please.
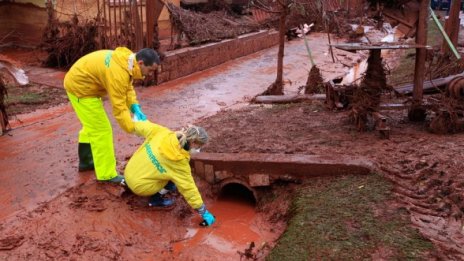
(24, 99)
(348, 219)
(404, 72)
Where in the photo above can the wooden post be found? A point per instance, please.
(138, 26)
(452, 25)
(417, 113)
(150, 14)
(280, 55)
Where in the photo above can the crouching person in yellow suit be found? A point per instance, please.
(161, 165)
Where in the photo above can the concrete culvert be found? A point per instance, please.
(237, 192)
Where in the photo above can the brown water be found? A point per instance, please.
(237, 225)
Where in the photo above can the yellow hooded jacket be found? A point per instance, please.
(107, 72)
(160, 159)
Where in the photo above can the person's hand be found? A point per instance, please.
(137, 111)
(208, 218)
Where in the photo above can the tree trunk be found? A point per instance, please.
(280, 55)
(277, 88)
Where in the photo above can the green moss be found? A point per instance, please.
(337, 220)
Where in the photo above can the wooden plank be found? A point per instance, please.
(271, 99)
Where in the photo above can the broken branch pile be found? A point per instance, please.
(65, 42)
(211, 27)
(443, 65)
(448, 111)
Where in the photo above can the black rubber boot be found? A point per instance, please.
(85, 157)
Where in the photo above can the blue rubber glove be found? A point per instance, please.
(208, 218)
(137, 111)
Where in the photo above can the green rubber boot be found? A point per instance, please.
(85, 157)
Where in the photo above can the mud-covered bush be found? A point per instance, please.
(65, 42)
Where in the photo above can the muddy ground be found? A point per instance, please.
(96, 220)
(425, 168)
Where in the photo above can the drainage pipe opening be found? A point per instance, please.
(237, 192)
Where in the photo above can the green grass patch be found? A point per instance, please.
(27, 98)
(347, 219)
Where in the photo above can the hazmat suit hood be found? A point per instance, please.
(130, 64)
(170, 148)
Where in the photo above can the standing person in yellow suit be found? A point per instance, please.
(161, 165)
(93, 76)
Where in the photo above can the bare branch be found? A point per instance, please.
(262, 6)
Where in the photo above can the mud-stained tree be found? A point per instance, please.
(290, 13)
(282, 9)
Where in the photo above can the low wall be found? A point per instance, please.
(257, 169)
(186, 61)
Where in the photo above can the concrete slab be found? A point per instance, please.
(295, 165)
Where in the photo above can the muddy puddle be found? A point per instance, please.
(94, 221)
(239, 227)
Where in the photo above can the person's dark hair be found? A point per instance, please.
(148, 56)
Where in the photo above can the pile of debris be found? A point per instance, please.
(443, 65)
(208, 27)
(66, 42)
(448, 110)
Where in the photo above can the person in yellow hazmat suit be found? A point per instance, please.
(161, 164)
(93, 76)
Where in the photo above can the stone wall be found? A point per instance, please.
(186, 61)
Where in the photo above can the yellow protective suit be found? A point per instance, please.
(159, 160)
(107, 72)
(93, 76)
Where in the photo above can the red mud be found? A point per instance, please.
(94, 220)
(50, 211)
(238, 225)
(425, 168)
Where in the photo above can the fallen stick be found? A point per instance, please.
(269, 99)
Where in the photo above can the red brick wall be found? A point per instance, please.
(183, 62)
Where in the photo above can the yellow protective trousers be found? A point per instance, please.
(96, 130)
